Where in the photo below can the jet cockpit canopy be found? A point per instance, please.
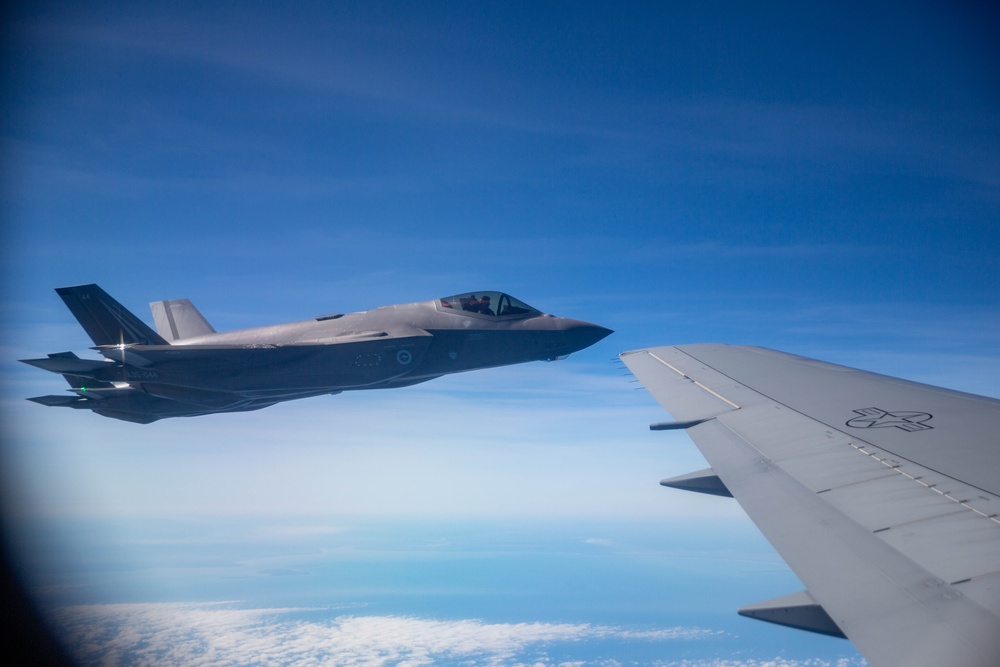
(490, 304)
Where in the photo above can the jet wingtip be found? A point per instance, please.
(57, 401)
(72, 288)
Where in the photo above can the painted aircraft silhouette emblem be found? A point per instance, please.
(879, 418)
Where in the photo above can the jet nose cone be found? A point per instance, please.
(580, 335)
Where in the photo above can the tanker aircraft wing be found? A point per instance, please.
(882, 495)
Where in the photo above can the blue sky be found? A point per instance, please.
(819, 179)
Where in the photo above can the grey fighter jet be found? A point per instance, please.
(189, 369)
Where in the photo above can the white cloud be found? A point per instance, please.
(770, 662)
(599, 542)
(219, 634)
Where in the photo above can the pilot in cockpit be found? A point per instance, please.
(484, 306)
(506, 306)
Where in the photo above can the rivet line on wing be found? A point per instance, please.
(896, 467)
(684, 375)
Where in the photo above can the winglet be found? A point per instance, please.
(798, 610)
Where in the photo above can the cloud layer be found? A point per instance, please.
(219, 634)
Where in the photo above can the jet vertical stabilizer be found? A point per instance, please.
(178, 318)
(106, 321)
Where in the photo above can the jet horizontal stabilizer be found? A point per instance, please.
(702, 481)
(60, 401)
(67, 363)
(798, 610)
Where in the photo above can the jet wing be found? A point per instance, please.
(881, 494)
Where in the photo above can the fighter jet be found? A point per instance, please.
(186, 368)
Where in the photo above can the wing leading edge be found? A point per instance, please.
(882, 495)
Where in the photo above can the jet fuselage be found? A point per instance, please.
(391, 346)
